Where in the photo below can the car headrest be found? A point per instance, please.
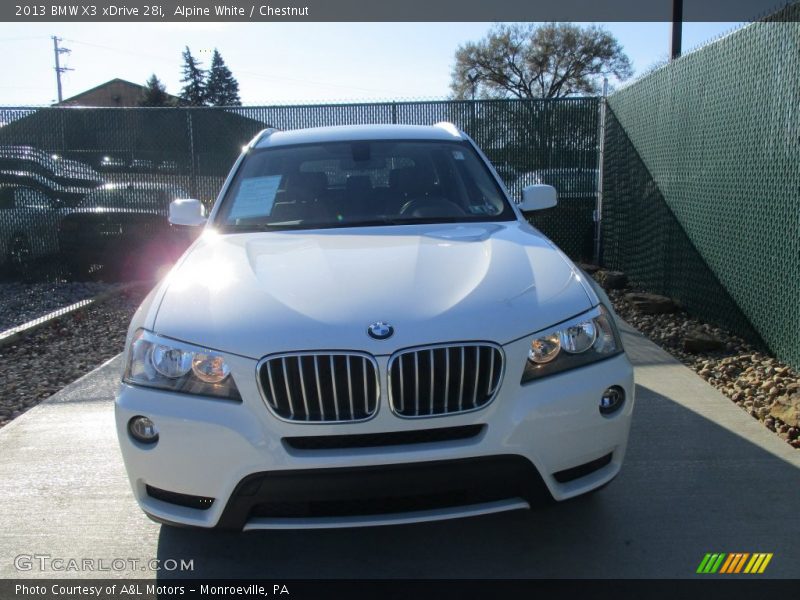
(309, 185)
(358, 183)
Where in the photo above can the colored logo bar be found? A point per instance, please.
(736, 562)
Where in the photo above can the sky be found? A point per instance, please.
(277, 63)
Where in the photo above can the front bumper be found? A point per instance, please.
(546, 436)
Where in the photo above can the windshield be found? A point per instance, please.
(351, 184)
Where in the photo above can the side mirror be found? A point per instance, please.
(187, 212)
(537, 197)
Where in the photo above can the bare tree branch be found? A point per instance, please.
(523, 60)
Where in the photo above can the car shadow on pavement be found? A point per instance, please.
(688, 486)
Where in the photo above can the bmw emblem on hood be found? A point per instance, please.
(380, 330)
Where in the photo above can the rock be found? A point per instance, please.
(589, 268)
(651, 304)
(699, 341)
(787, 409)
(751, 378)
(612, 280)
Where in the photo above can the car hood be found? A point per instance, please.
(258, 293)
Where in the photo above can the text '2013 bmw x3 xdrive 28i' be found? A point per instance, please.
(368, 332)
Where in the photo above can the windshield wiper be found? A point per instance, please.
(250, 227)
(295, 225)
(403, 221)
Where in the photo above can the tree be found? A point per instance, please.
(523, 60)
(155, 93)
(193, 92)
(222, 89)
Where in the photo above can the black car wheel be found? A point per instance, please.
(79, 269)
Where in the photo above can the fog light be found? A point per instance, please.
(612, 400)
(143, 430)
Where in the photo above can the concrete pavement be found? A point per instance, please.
(700, 476)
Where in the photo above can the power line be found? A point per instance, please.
(317, 83)
(250, 73)
(122, 50)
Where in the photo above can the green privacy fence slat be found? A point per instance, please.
(717, 137)
(530, 141)
(643, 238)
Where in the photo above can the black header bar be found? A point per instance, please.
(381, 10)
(706, 587)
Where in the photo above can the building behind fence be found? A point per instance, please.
(702, 181)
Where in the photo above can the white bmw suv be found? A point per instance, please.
(369, 332)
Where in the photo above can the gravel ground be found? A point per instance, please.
(756, 381)
(41, 363)
(23, 302)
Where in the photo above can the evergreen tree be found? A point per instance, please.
(193, 92)
(222, 89)
(155, 94)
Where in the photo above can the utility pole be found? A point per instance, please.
(58, 68)
(601, 159)
(677, 28)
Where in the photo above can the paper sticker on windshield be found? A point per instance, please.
(458, 155)
(255, 197)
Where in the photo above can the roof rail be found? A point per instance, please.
(262, 135)
(449, 128)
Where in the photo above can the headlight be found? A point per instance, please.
(210, 368)
(158, 362)
(578, 338)
(171, 362)
(544, 349)
(586, 339)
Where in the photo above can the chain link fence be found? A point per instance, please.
(702, 181)
(92, 185)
